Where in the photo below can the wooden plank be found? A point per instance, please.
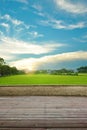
(43, 128)
(43, 112)
(82, 123)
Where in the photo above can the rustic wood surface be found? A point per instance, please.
(43, 128)
(43, 113)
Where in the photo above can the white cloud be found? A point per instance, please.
(38, 10)
(16, 22)
(78, 25)
(18, 28)
(12, 20)
(23, 1)
(6, 26)
(35, 63)
(37, 7)
(82, 39)
(69, 6)
(14, 47)
(14, 27)
(59, 24)
(1, 33)
(6, 55)
(39, 13)
(35, 34)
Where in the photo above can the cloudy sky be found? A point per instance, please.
(43, 34)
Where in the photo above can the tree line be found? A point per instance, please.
(63, 71)
(7, 70)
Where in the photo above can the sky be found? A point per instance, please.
(43, 34)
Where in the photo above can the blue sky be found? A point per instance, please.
(43, 34)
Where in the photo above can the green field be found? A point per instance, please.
(39, 79)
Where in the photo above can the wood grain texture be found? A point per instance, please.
(43, 112)
(43, 128)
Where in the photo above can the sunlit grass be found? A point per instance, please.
(38, 79)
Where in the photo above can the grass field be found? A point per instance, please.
(46, 85)
(39, 79)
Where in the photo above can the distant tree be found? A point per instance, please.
(21, 72)
(14, 70)
(2, 62)
(41, 72)
(5, 70)
(82, 69)
(63, 72)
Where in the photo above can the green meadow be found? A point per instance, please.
(44, 79)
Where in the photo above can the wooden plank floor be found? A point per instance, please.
(43, 129)
(43, 113)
